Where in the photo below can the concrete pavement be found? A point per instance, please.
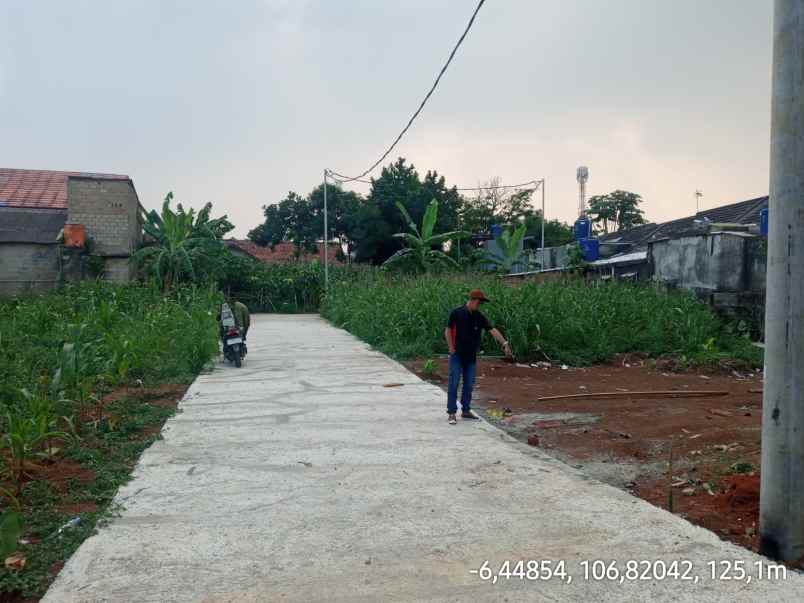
(301, 478)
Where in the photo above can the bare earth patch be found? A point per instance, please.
(627, 441)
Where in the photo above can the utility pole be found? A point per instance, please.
(326, 231)
(698, 195)
(543, 219)
(781, 513)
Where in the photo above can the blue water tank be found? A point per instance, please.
(763, 221)
(590, 249)
(583, 229)
(496, 231)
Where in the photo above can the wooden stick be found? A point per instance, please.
(661, 394)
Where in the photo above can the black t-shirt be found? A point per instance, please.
(467, 327)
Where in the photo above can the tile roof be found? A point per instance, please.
(282, 252)
(41, 189)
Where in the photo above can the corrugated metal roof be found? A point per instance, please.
(42, 189)
(636, 256)
(744, 212)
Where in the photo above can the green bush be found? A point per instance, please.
(574, 322)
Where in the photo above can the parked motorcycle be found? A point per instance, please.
(234, 345)
(234, 348)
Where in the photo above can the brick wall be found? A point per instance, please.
(28, 267)
(109, 209)
(117, 270)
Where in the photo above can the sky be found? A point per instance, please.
(239, 102)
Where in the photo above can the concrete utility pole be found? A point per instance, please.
(781, 518)
(543, 219)
(326, 234)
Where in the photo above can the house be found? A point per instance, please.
(715, 250)
(281, 253)
(718, 254)
(103, 211)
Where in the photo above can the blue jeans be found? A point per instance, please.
(458, 370)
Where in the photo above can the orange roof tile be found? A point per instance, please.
(43, 189)
(282, 252)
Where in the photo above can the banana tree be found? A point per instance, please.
(184, 245)
(511, 252)
(423, 252)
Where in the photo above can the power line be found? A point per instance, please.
(341, 179)
(488, 188)
(426, 98)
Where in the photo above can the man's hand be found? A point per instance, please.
(507, 349)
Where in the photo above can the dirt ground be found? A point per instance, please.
(62, 473)
(629, 441)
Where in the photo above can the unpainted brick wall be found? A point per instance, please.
(117, 270)
(109, 209)
(28, 267)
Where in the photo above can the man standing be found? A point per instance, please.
(466, 325)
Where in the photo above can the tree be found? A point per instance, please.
(423, 251)
(292, 219)
(511, 251)
(400, 183)
(618, 210)
(341, 206)
(300, 220)
(495, 205)
(183, 246)
(556, 233)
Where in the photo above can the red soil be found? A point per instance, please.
(627, 441)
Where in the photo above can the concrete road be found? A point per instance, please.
(301, 478)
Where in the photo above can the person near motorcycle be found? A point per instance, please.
(241, 314)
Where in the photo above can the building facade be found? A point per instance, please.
(35, 207)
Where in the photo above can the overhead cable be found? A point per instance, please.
(421, 106)
(340, 179)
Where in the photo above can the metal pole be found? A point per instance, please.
(543, 219)
(781, 511)
(326, 233)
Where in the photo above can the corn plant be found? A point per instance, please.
(573, 322)
(10, 531)
(29, 425)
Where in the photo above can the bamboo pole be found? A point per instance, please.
(657, 394)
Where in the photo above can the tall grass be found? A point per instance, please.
(574, 322)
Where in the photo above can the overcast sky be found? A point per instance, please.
(238, 102)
